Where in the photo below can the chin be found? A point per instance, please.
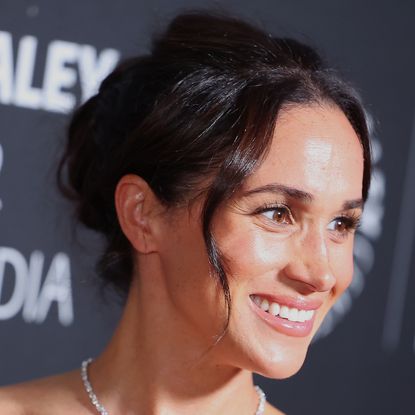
(286, 357)
(285, 365)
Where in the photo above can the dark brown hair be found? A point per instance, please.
(203, 103)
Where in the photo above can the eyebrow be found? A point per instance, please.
(299, 195)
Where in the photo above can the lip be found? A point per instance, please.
(282, 325)
(299, 302)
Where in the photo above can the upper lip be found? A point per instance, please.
(292, 302)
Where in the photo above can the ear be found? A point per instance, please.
(137, 207)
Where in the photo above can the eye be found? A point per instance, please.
(344, 224)
(279, 214)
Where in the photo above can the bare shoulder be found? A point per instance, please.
(8, 403)
(49, 395)
(271, 410)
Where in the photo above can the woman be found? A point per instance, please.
(227, 170)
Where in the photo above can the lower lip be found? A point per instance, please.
(290, 328)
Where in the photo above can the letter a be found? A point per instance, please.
(57, 287)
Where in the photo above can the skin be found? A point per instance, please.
(160, 360)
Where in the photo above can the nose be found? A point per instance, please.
(310, 263)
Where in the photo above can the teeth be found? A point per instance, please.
(274, 309)
(257, 300)
(292, 314)
(302, 316)
(309, 314)
(284, 313)
(265, 305)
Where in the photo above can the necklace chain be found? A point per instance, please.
(101, 409)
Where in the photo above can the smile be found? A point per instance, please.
(292, 314)
(283, 316)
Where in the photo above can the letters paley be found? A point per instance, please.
(67, 65)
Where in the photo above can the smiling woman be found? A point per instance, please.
(227, 170)
(296, 235)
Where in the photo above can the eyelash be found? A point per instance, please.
(352, 221)
(271, 207)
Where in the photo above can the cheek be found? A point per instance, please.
(192, 292)
(253, 253)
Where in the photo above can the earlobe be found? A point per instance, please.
(134, 202)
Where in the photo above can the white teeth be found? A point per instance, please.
(274, 309)
(257, 300)
(292, 314)
(265, 305)
(309, 314)
(284, 313)
(302, 316)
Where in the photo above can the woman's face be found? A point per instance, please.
(287, 239)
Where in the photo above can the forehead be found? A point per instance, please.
(314, 149)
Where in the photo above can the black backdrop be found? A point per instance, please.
(52, 314)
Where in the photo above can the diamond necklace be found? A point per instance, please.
(100, 408)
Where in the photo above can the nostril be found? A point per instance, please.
(326, 282)
(310, 278)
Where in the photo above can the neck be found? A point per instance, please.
(154, 365)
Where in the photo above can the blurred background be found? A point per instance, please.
(53, 54)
